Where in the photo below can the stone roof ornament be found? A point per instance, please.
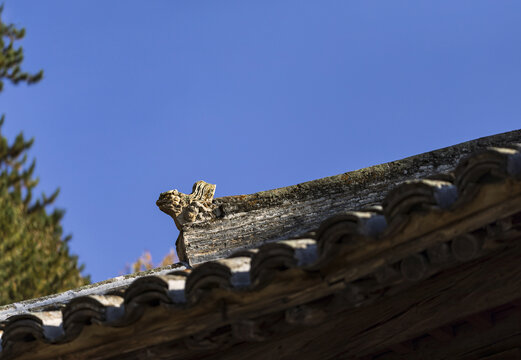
(189, 208)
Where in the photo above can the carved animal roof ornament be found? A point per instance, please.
(189, 208)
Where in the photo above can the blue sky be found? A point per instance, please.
(141, 97)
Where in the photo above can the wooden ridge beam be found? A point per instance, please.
(214, 229)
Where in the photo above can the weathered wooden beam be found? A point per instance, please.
(214, 229)
(406, 347)
(481, 321)
(443, 299)
(427, 308)
(444, 333)
(513, 354)
(498, 342)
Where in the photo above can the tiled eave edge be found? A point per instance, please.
(349, 253)
(247, 221)
(58, 301)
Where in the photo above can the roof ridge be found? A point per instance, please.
(247, 221)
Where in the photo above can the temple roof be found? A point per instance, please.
(383, 281)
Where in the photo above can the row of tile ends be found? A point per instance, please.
(251, 269)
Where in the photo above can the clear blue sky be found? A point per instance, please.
(141, 97)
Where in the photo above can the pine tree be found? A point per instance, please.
(34, 253)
